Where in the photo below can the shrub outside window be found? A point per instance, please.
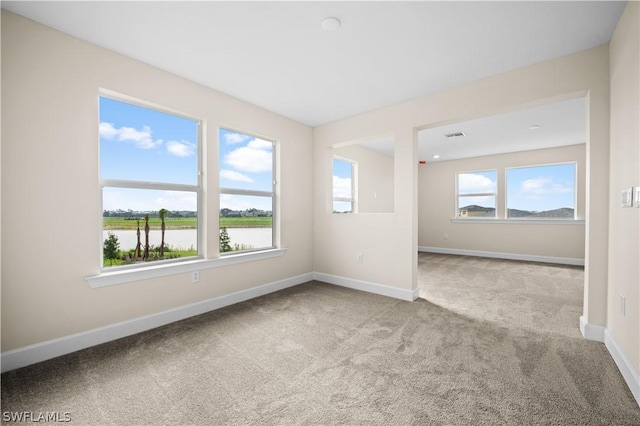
(150, 183)
(476, 194)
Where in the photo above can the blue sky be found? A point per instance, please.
(541, 188)
(147, 145)
(342, 171)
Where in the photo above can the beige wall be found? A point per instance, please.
(50, 85)
(393, 245)
(437, 200)
(374, 178)
(624, 224)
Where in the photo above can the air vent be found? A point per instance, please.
(455, 135)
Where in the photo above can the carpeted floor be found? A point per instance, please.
(496, 343)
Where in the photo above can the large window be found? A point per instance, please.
(542, 192)
(247, 192)
(150, 182)
(343, 186)
(476, 194)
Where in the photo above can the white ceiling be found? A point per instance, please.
(558, 124)
(276, 55)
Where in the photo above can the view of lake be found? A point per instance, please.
(187, 238)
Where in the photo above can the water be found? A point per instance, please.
(185, 239)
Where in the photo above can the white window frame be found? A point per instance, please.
(354, 193)
(134, 184)
(575, 192)
(475, 194)
(259, 193)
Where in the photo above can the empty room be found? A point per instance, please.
(320, 213)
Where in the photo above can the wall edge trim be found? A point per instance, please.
(369, 287)
(591, 331)
(509, 256)
(629, 373)
(22, 357)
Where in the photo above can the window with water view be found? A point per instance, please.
(247, 194)
(149, 162)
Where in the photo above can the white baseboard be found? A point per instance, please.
(509, 256)
(630, 375)
(590, 331)
(32, 354)
(383, 290)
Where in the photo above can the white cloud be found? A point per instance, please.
(107, 130)
(544, 185)
(234, 138)
(470, 183)
(243, 202)
(256, 157)
(234, 176)
(181, 148)
(177, 200)
(142, 138)
(341, 187)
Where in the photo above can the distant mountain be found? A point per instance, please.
(474, 210)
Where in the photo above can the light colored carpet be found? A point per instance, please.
(318, 354)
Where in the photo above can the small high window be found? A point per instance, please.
(343, 186)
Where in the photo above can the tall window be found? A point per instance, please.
(542, 192)
(343, 186)
(247, 192)
(150, 181)
(476, 194)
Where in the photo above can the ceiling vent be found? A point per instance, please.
(454, 135)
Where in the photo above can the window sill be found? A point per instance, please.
(123, 276)
(522, 221)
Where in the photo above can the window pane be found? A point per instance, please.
(477, 183)
(541, 192)
(246, 162)
(342, 186)
(342, 207)
(247, 221)
(142, 144)
(124, 212)
(477, 206)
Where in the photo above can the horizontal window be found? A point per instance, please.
(542, 192)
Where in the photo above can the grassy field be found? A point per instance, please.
(187, 223)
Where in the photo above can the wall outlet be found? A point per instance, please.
(195, 277)
(360, 257)
(623, 302)
(445, 236)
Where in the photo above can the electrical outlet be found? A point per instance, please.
(445, 236)
(195, 277)
(623, 302)
(360, 257)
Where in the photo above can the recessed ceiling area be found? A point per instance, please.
(547, 126)
(277, 55)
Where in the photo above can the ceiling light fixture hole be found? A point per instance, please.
(331, 24)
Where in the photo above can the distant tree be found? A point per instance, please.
(162, 213)
(136, 253)
(145, 254)
(111, 248)
(225, 241)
